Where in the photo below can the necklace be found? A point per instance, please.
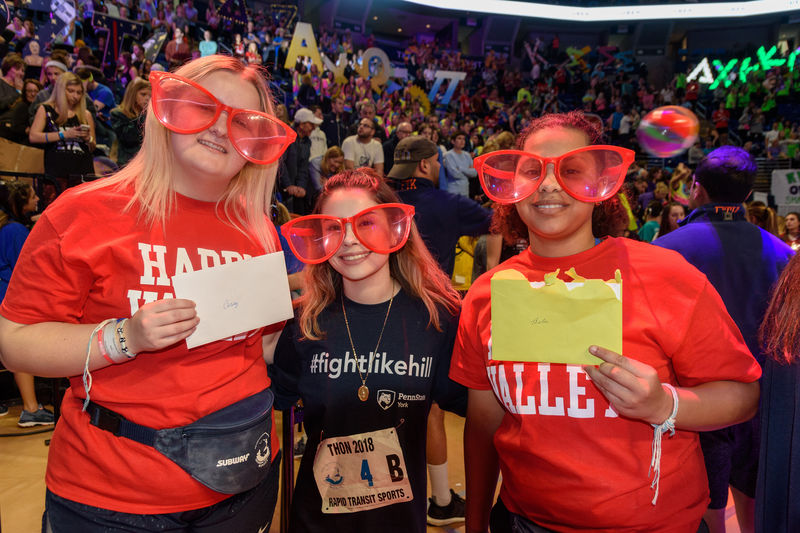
(363, 391)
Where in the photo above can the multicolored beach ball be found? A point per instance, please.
(667, 131)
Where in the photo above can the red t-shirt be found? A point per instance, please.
(569, 462)
(720, 118)
(86, 260)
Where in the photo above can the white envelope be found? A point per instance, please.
(236, 297)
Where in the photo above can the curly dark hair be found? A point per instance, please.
(506, 220)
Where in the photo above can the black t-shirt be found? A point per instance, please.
(68, 158)
(408, 373)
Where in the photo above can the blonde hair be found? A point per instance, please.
(333, 151)
(762, 216)
(246, 200)
(58, 98)
(128, 105)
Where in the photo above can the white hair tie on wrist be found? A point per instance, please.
(658, 430)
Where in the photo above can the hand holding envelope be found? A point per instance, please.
(554, 321)
(236, 297)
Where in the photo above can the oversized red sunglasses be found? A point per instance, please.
(589, 174)
(383, 229)
(185, 107)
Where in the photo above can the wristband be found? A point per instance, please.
(111, 344)
(87, 375)
(45, 138)
(658, 430)
(61, 135)
(103, 350)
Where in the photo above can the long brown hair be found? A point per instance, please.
(247, 198)
(412, 266)
(128, 105)
(665, 227)
(13, 197)
(506, 220)
(779, 333)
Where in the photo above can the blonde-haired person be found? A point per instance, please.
(764, 217)
(185, 202)
(368, 353)
(323, 167)
(66, 129)
(127, 120)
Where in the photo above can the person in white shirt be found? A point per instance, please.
(362, 150)
(319, 141)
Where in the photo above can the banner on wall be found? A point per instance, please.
(786, 188)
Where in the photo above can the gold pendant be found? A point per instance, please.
(363, 393)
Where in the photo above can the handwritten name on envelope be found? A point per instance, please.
(554, 321)
(236, 297)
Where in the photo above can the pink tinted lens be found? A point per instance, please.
(383, 230)
(315, 239)
(256, 136)
(592, 174)
(182, 106)
(509, 178)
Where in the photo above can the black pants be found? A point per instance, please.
(248, 511)
(504, 521)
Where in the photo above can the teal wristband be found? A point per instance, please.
(61, 135)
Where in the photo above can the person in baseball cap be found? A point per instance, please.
(407, 157)
(306, 115)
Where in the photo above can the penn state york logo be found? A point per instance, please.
(386, 398)
(262, 450)
(333, 475)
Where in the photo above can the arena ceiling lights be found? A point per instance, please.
(616, 13)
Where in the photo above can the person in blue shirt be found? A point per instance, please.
(208, 46)
(103, 99)
(742, 262)
(17, 201)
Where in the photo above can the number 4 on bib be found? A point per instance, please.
(365, 475)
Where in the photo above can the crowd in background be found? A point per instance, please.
(345, 124)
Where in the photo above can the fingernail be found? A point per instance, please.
(593, 349)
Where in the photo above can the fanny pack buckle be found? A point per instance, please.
(104, 418)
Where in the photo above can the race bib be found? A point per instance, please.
(361, 472)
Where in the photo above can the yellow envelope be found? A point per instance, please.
(554, 321)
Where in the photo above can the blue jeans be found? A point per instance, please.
(248, 511)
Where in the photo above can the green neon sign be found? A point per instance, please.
(739, 70)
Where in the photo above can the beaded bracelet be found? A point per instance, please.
(658, 430)
(111, 342)
(121, 339)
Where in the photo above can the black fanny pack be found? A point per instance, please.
(227, 451)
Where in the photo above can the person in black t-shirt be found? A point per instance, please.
(368, 353)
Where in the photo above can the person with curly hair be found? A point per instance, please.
(574, 442)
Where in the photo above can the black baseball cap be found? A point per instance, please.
(408, 153)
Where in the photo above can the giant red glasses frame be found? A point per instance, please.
(589, 174)
(185, 107)
(383, 229)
